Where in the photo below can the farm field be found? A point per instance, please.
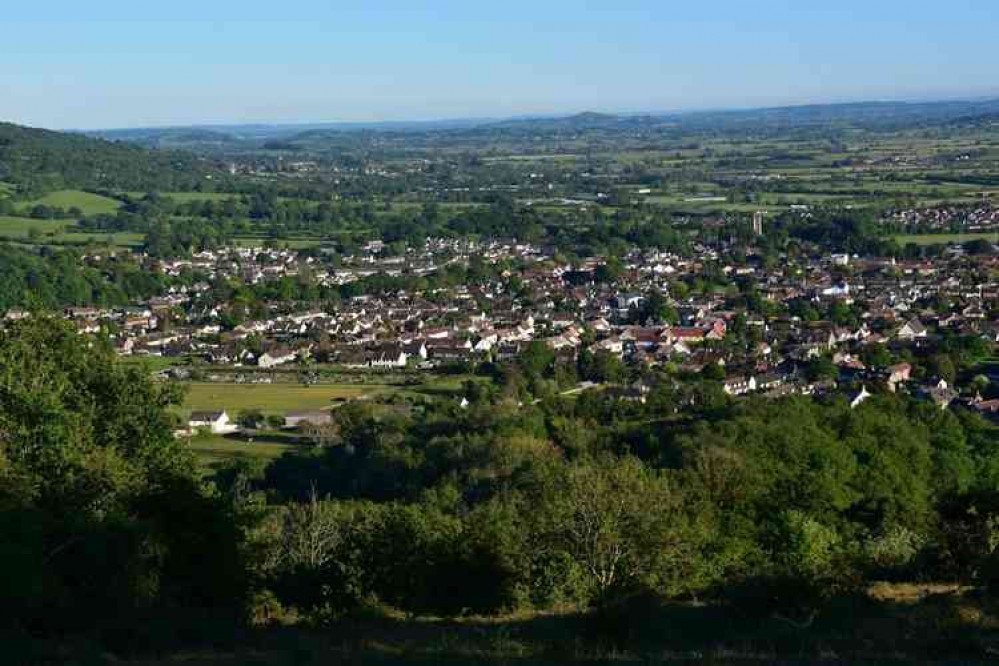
(90, 204)
(60, 232)
(118, 239)
(211, 450)
(294, 243)
(186, 197)
(19, 227)
(943, 239)
(274, 398)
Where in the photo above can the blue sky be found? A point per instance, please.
(111, 63)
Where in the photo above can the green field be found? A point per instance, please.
(943, 239)
(186, 197)
(273, 398)
(293, 243)
(19, 227)
(118, 239)
(60, 232)
(214, 449)
(90, 204)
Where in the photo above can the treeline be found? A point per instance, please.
(505, 507)
(176, 229)
(50, 279)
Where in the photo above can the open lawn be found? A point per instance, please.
(90, 204)
(274, 398)
(943, 239)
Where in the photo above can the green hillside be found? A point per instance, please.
(88, 203)
(41, 161)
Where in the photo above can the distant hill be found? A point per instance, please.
(813, 119)
(38, 161)
(251, 135)
(167, 138)
(862, 115)
(580, 121)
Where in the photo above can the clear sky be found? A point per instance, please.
(115, 63)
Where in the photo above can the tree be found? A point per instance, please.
(105, 522)
(617, 520)
(822, 368)
(250, 419)
(942, 367)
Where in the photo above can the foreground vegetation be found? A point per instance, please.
(590, 528)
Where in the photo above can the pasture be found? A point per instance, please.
(212, 450)
(274, 398)
(944, 239)
(187, 197)
(62, 232)
(17, 228)
(89, 204)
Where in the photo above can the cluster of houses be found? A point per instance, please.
(761, 322)
(970, 218)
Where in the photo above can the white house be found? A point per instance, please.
(912, 330)
(739, 385)
(217, 422)
(276, 357)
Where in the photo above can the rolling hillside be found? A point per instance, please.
(40, 161)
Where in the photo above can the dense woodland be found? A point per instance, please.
(776, 508)
(40, 161)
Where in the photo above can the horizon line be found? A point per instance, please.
(543, 115)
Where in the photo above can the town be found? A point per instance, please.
(809, 323)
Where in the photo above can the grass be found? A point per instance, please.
(943, 239)
(151, 363)
(186, 197)
(273, 398)
(293, 243)
(62, 232)
(19, 227)
(119, 239)
(212, 450)
(90, 204)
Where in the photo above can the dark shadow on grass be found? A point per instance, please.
(847, 630)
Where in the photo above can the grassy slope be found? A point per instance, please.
(90, 204)
(18, 227)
